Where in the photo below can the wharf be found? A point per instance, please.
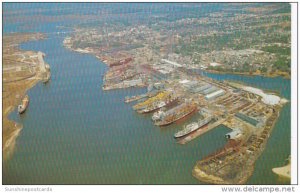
(121, 86)
(200, 132)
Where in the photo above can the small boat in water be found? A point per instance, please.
(22, 108)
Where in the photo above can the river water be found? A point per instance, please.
(75, 133)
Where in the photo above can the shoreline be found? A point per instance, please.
(288, 77)
(81, 51)
(284, 171)
(12, 99)
(282, 74)
(105, 87)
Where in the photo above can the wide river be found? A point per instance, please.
(75, 133)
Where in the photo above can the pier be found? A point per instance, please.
(45, 73)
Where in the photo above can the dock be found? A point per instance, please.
(135, 98)
(44, 68)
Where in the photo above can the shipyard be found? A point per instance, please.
(249, 112)
(154, 93)
(176, 93)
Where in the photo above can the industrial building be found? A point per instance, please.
(247, 119)
(200, 88)
(215, 94)
(190, 84)
(209, 90)
(164, 68)
(132, 82)
(174, 64)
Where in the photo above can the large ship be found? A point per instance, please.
(158, 104)
(154, 106)
(192, 127)
(175, 114)
(23, 106)
(158, 97)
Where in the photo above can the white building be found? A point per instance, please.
(172, 63)
(132, 82)
(214, 95)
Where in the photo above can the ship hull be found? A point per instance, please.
(186, 134)
(143, 105)
(24, 105)
(21, 111)
(176, 120)
(145, 111)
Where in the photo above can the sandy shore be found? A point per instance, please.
(284, 171)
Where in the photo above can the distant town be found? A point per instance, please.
(254, 40)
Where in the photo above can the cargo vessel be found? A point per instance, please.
(175, 114)
(22, 108)
(192, 127)
(158, 104)
(158, 97)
